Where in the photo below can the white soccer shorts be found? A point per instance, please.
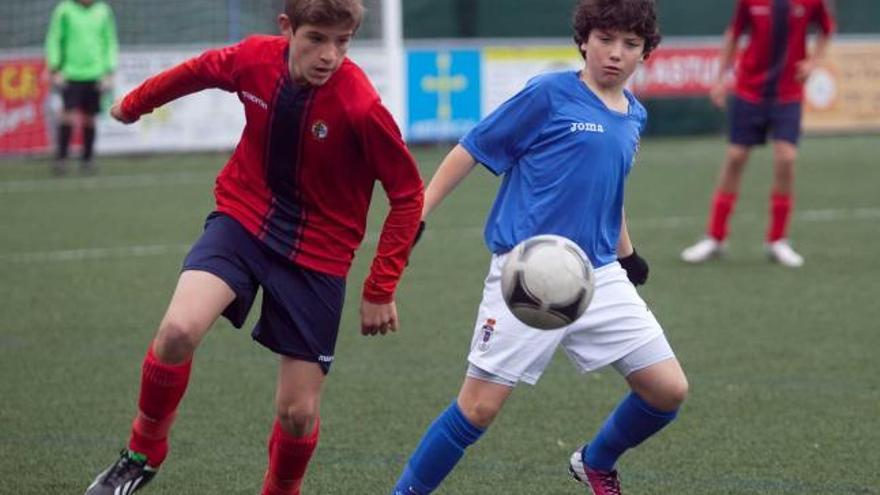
(616, 323)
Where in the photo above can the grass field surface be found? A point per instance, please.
(785, 385)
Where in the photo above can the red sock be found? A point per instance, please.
(162, 388)
(780, 212)
(288, 458)
(722, 207)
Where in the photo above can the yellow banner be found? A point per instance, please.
(563, 54)
(844, 94)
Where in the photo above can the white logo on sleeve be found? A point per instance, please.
(587, 127)
(255, 99)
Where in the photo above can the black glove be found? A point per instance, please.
(636, 268)
(419, 233)
(418, 236)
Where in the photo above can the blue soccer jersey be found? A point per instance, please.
(565, 157)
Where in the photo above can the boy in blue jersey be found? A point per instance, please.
(564, 146)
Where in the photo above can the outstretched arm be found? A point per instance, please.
(212, 69)
(452, 170)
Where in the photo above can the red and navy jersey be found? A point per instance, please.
(777, 32)
(302, 176)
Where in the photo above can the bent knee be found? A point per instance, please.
(677, 393)
(298, 417)
(737, 156)
(785, 153)
(670, 396)
(178, 337)
(480, 413)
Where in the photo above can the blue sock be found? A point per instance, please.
(438, 452)
(633, 421)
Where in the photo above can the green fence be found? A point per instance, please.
(23, 22)
(551, 18)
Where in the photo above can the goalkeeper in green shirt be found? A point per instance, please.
(81, 54)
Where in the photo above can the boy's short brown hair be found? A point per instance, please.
(324, 12)
(637, 16)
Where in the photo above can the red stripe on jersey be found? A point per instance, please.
(757, 66)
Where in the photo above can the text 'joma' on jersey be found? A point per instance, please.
(586, 127)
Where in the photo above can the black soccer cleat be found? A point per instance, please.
(127, 475)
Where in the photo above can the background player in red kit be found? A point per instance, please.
(767, 100)
(291, 210)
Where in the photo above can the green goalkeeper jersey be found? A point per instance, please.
(81, 41)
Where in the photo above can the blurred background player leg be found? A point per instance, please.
(91, 105)
(65, 126)
(786, 123)
(713, 245)
(81, 104)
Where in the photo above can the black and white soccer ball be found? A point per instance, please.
(547, 281)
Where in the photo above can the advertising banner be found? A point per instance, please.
(24, 90)
(677, 72)
(207, 120)
(844, 94)
(507, 69)
(374, 61)
(668, 72)
(443, 93)
(447, 92)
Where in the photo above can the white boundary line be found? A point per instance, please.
(140, 251)
(105, 182)
(94, 254)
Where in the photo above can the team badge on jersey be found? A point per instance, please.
(488, 329)
(320, 130)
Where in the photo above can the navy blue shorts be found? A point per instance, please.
(750, 123)
(301, 307)
(82, 95)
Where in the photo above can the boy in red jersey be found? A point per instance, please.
(291, 211)
(767, 100)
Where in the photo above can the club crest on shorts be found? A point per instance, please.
(487, 331)
(320, 130)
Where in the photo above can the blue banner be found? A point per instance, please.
(443, 100)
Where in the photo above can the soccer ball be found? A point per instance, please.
(547, 281)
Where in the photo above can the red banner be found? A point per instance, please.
(23, 100)
(677, 72)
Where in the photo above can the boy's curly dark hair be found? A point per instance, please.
(637, 16)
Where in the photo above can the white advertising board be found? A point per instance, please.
(208, 120)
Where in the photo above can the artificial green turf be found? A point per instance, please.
(785, 387)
